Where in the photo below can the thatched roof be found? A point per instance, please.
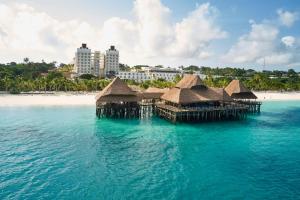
(156, 90)
(117, 91)
(181, 96)
(188, 96)
(154, 93)
(223, 94)
(190, 81)
(237, 90)
(192, 90)
(135, 88)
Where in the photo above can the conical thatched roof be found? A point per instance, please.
(192, 90)
(223, 94)
(117, 91)
(189, 81)
(188, 96)
(182, 96)
(154, 93)
(237, 90)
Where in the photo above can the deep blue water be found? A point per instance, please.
(67, 153)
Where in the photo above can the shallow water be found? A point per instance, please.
(67, 153)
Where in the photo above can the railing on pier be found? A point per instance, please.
(112, 110)
(253, 106)
(198, 114)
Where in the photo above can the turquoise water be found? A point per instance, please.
(67, 153)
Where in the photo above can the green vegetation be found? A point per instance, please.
(29, 76)
(159, 83)
(41, 76)
(267, 80)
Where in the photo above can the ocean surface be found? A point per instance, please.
(67, 153)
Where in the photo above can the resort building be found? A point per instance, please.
(237, 90)
(82, 60)
(111, 62)
(167, 74)
(107, 66)
(191, 100)
(97, 61)
(88, 62)
(117, 100)
(150, 73)
(136, 76)
(241, 94)
(153, 94)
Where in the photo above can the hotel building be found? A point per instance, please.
(150, 73)
(111, 61)
(82, 60)
(107, 65)
(88, 62)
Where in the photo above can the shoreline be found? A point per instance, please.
(88, 98)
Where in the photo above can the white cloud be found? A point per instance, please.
(150, 36)
(287, 18)
(276, 59)
(194, 33)
(262, 44)
(288, 41)
(254, 45)
(29, 33)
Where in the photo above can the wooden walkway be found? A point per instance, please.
(175, 114)
(253, 106)
(144, 110)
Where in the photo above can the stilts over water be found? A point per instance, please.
(189, 101)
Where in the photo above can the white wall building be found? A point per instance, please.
(82, 60)
(95, 62)
(136, 76)
(98, 62)
(88, 62)
(167, 74)
(111, 61)
(152, 73)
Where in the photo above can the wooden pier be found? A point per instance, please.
(117, 100)
(174, 114)
(242, 95)
(252, 106)
(113, 110)
(189, 101)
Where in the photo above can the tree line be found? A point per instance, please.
(41, 76)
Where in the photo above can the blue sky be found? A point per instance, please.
(169, 32)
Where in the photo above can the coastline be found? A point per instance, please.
(88, 99)
(277, 96)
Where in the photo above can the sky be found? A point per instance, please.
(217, 33)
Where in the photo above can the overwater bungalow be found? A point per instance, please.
(241, 94)
(117, 100)
(191, 100)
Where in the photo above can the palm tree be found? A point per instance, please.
(26, 60)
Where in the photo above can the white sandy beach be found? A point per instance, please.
(71, 99)
(277, 96)
(47, 100)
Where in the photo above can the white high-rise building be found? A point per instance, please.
(88, 62)
(111, 61)
(101, 65)
(82, 60)
(95, 62)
